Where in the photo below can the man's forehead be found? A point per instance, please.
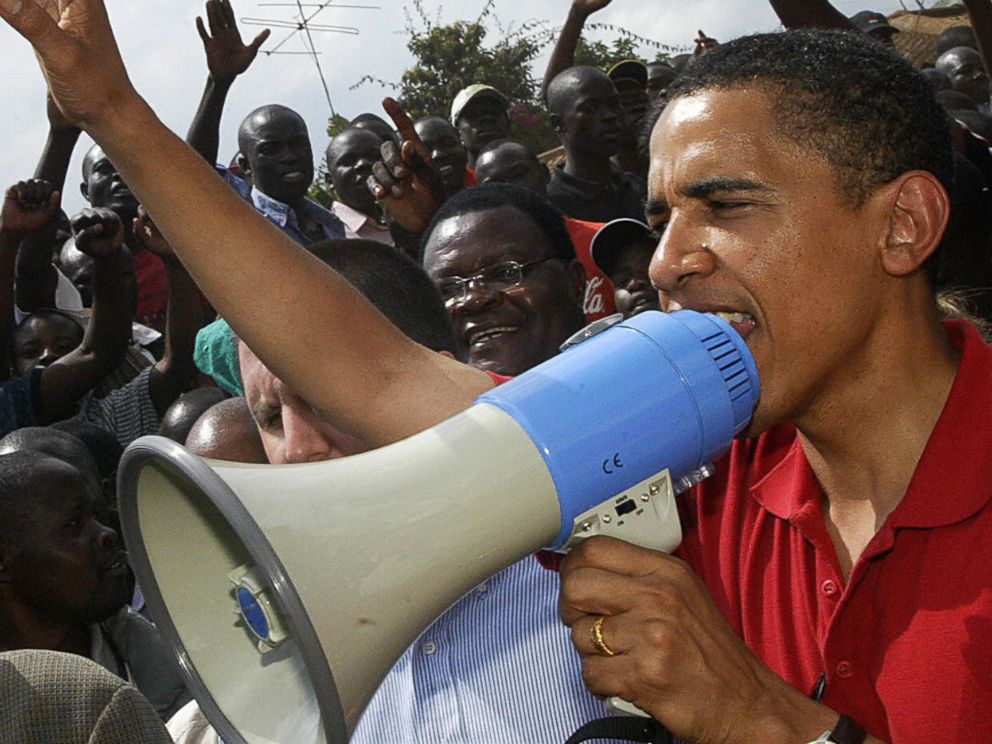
(504, 156)
(276, 125)
(434, 129)
(725, 134)
(479, 239)
(261, 386)
(353, 140)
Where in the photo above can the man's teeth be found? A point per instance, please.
(735, 317)
(489, 333)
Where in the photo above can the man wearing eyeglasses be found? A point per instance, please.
(508, 273)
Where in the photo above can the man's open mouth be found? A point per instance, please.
(488, 334)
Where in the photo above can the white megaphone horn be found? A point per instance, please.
(288, 592)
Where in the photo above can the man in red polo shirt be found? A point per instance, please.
(843, 554)
(797, 183)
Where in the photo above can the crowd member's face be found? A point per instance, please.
(79, 269)
(632, 288)
(291, 431)
(512, 330)
(483, 120)
(963, 67)
(279, 155)
(41, 339)
(350, 158)
(591, 119)
(103, 186)
(512, 163)
(62, 563)
(883, 36)
(659, 78)
(757, 229)
(634, 102)
(447, 151)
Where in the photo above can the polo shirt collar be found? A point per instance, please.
(952, 480)
(285, 217)
(272, 209)
(351, 217)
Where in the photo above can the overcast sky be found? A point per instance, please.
(165, 59)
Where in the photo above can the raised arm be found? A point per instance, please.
(27, 207)
(980, 13)
(359, 370)
(563, 55)
(227, 57)
(100, 234)
(185, 315)
(810, 14)
(37, 278)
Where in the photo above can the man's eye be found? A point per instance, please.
(274, 421)
(449, 289)
(502, 273)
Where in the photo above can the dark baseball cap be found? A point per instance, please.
(868, 21)
(629, 69)
(613, 236)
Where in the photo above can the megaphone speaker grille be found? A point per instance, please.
(218, 538)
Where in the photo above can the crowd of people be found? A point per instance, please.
(811, 187)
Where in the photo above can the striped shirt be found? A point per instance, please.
(496, 667)
(127, 413)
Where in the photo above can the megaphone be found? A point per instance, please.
(288, 592)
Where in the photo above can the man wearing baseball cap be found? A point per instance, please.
(622, 250)
(631, 78)
(875, 25)
(479, 114)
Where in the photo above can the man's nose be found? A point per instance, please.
(303, 441)
(106, 537)
(478, 297)
(681, 256)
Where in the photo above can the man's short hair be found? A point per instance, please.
(16, 502)
(396, 285)
(853, 102)
(495, 195)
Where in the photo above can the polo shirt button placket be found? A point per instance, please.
(844, 669)
(829, 588)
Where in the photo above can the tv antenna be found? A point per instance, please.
(302, 25)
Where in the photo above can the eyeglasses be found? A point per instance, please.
(497, 278)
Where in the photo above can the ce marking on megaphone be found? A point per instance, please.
(612, 464)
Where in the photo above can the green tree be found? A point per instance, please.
(452, 56)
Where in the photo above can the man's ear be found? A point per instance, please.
(243, 165)
(918, 214)
(84, 190)
(555, 122)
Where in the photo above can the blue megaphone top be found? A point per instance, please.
(655, 391)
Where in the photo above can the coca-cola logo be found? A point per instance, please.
(593, 301)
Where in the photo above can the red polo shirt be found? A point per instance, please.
(906, 644)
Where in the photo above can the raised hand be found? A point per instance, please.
(98, 232)
(27, 206)
(78, 54)
(150, 238)
(227, 55)
(704, 43)
(406, 181)
(588, 7)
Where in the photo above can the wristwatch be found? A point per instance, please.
(846, 731)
